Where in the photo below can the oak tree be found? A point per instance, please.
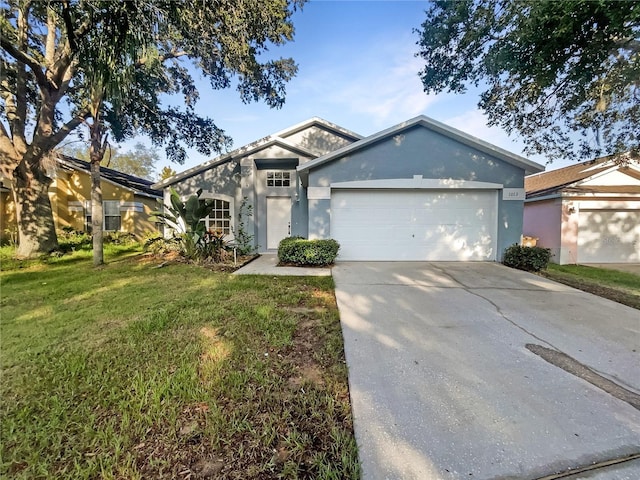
(111, 66)
(563, 75)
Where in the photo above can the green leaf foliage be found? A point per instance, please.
(530, 259)
(552, 71)
(185, 216)
(299, 251)
(138, 161)
(113, 67)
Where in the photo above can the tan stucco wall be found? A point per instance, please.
(8, 227)
(70, 187)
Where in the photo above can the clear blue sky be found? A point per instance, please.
(357, 68)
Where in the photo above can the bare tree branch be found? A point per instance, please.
(66, 129)
(23, 57)
(50, 45)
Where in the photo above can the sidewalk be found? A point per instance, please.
(267, 264)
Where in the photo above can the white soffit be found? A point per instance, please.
(418, 183)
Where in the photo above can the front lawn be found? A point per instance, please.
(130, 371)
(618, 286)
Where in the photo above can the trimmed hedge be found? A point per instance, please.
(300, 251)
(531, 259)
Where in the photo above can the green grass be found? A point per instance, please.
(603, 276)
(131, 371)
(621, 287)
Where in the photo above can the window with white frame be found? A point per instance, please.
(278, 178)
(112, 220)
(220, 217)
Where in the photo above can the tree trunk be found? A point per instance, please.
(96, 215)
(36, 229)
(96, 154)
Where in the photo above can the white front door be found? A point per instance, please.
(278, 220)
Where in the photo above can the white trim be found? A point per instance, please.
(136, 207)
(75, 206)
(209, 195)
(318, 193)
(574, 195)
(316, 121)
(418, 183)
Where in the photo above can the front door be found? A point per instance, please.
(278, 220)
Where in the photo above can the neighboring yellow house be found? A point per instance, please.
(128, 200)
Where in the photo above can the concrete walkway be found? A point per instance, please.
(443, 385)
(267, 264)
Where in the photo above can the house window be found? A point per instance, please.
(87, 217)
(220, 217)
(111, 211)
(112, 220)
(278, 178)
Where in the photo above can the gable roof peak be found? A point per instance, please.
(559, 178)
(438, 127)
(318, 121)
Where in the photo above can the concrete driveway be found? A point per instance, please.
(443, 384)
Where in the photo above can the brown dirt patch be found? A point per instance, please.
(616, 294)
(290, 410)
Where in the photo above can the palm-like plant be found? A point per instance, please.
(186, 218)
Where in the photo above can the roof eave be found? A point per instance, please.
(317, 121)
(231, 156)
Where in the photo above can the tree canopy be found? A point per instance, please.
(563, 75)
(139, 160)
(113, 66)
(166, 172)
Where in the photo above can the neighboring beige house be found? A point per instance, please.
(586, 213)
(128, 200)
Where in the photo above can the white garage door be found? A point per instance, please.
(415, 224)
(608, 236)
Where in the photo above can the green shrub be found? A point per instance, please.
(119, 238)
(70, 240)
(531, 259)
(214, 247)
(160, 246)
(244, 239)
(299, 251)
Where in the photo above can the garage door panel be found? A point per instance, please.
(608, 236)
(414, 225)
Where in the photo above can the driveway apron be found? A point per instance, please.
(443, 385)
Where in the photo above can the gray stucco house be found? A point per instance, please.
(420, 190)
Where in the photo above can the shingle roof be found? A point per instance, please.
(556, 179)
(563, 179)
(139, 186)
